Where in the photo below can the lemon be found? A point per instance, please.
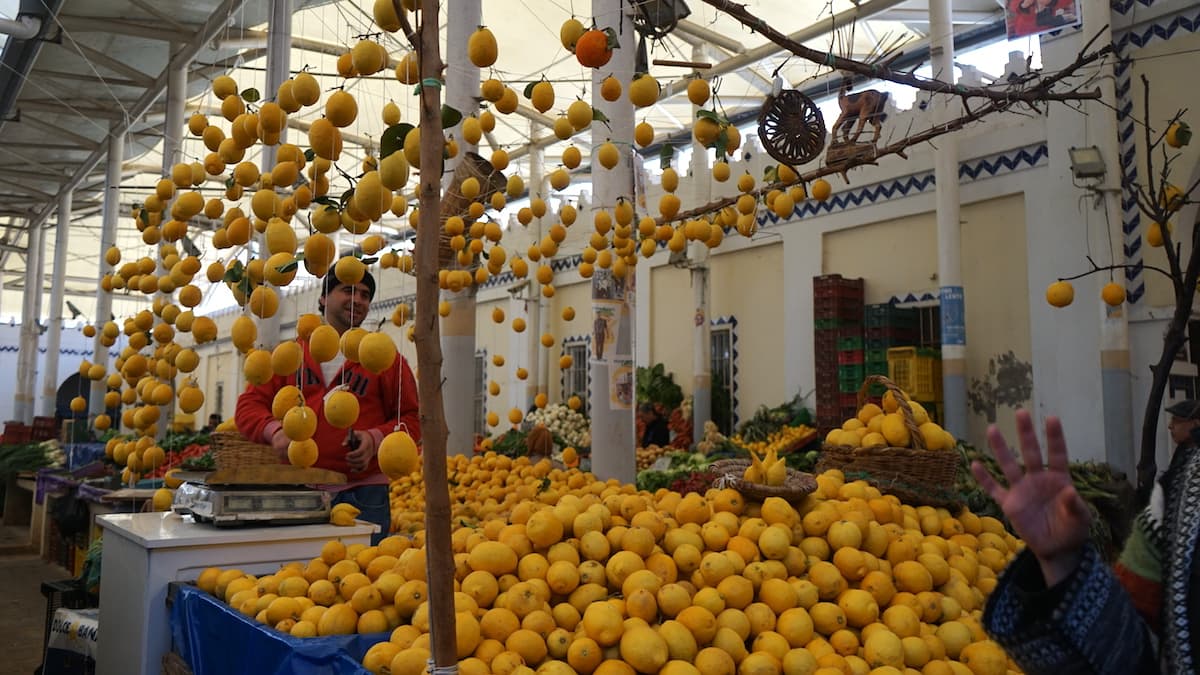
(257, 367)
(643, 91)
(1113, 294)
(350, 342)
(895, 431)
(341, 409)
(698, 91)
(542, 96)
(163, 498)
(1060, 294)
(288, 397)
(397, 455)
(579, 114)
(482, 48)
(303, 453)
(349, 270)
(300, 423)
(377, 352)
(324, 343)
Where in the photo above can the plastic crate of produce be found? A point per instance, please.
(898, 335)
(889, 315)
(871, 355)
(844, 313)
(850, 343)
(850, 358)
(885, 343)
(827, 281)
(913, 371)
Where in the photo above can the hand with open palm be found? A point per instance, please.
(1040, 501)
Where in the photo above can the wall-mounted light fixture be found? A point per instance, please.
(1087, 162)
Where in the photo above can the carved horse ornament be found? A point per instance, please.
(859, 110)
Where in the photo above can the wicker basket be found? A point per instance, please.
(231, 450)
(729, 473)
(454, 203)
(915, 474)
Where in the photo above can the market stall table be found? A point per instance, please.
(144, 552)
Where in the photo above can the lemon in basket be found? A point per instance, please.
(895, 431)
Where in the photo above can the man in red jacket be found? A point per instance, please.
(385, 400)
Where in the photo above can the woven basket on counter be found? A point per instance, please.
(729, 473)
(915, 475)
(231, 450)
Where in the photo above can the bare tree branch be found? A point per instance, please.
(1040, 91)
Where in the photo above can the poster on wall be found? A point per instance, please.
(606, 322)
(621, 385)
(1025, 18)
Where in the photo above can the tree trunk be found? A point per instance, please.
(438, 552)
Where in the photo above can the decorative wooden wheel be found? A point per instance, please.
(791, 128)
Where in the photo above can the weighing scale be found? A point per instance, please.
(258, 495)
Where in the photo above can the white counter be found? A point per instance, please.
(143, 552)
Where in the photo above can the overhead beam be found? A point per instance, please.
(59, 132)
(707, 35)
(81, 77)
(55, 107)
(162, 16)
(148, 30)
(52, 147)
(921, 16)
(100, 58)
(34, 175)
(19, 187)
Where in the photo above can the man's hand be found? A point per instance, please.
(280, 441)
(359, 457)
(1041, 501)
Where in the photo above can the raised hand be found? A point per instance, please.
(1040, 501)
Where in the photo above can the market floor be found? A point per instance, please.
(22, 605)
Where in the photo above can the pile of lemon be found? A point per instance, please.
(575, 575)
(876, 426)
(777, 442)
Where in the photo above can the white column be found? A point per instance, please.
(108, 237)
(279, 61)
(458, 329)
(27, 355)
(701, 182)
(612, 423)
(1101, 121)
(57, 284)
(954, 331)
(539, 305)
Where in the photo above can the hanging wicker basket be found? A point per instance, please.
(791, 128)
(915, 475)
(454, 203)
(231, 450)
(729, 474)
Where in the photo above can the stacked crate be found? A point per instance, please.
(884, 327)
(837, 347)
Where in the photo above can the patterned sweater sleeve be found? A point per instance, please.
(1085, 624)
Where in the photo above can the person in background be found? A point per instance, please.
(1058, 608)
(214, 421)
(384, 400)
(656, 431)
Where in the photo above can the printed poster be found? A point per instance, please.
(1025, 18)
(621, 386)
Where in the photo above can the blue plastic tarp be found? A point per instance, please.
(215, 639)
(82, 454)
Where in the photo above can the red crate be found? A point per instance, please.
(849, 402)
(16, 433)
(847, 313)
(850, 357)
(837, 281)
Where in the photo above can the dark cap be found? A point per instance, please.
(332, 281)
(1188, 409)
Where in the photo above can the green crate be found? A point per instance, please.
(851, 372)
(877, 355)
(876, 367)
(848, 344)
(826, 324)
(849, 385)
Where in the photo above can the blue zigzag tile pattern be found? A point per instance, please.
(968, 171)
(1124, 42)
(731, 322)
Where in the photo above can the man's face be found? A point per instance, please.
(346, 306)
(1181, 429)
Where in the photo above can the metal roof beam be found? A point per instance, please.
(82, 77)
(157, 13)
(921, 16)
(55, 107)
(704, 34)
(100, 58)
(19, 187)
(58, 132)
(148, 30)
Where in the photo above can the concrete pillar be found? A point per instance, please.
(701, 183)
(537, 307)
(1115, 375)
(612, 421)
(954, 330)
(279, 62)
(57, 288)
(458, 329)
(108, 237)
(27, 355)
